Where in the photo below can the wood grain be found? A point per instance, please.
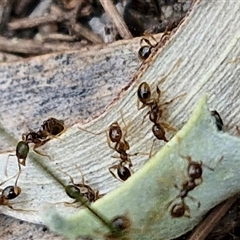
(207, 44)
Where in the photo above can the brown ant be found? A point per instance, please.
(155, 108)
(79, 190)
(116, 137)
(194, 172)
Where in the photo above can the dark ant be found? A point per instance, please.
(145, 50)
(79, 190)
(121, 225)
(194, 172)
(9, 192)
(218, 120)
(155, 109)
(52, 127)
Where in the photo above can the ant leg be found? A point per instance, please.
(5, 171)
(168, 127)
(71, 179)
(146, 41)
(168, 74)
(140, 107)
(96, 134)
(79, 169)
(144, 117)
(18, 174)
(195, 200)
(39, 152)
(113, 174)
(170, 101)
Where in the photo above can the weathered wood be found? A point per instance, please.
(208, 46)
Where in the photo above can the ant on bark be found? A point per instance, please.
(155, 107)
(146, 49)
(116, 137)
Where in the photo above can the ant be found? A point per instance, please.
(9, 192)
(218, 120)
(50, 127)
(145, 50)
(194, 172)
(120, 225)
(79, 190)
(155, 109)
(116, 137)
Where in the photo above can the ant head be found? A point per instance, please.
(22, 151)
(144, 93)
(11, 192)
(194, 170)
(123, 172)
(72, 191)
(115, 132)
(159, 132)
(121, 222)
(178, 210)
(144, 52)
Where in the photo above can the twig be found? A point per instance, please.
(58, 37)
(34, 47)
(204, 228)
(57, 15)
(116, 19)
(5, 57)
(34, 22)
